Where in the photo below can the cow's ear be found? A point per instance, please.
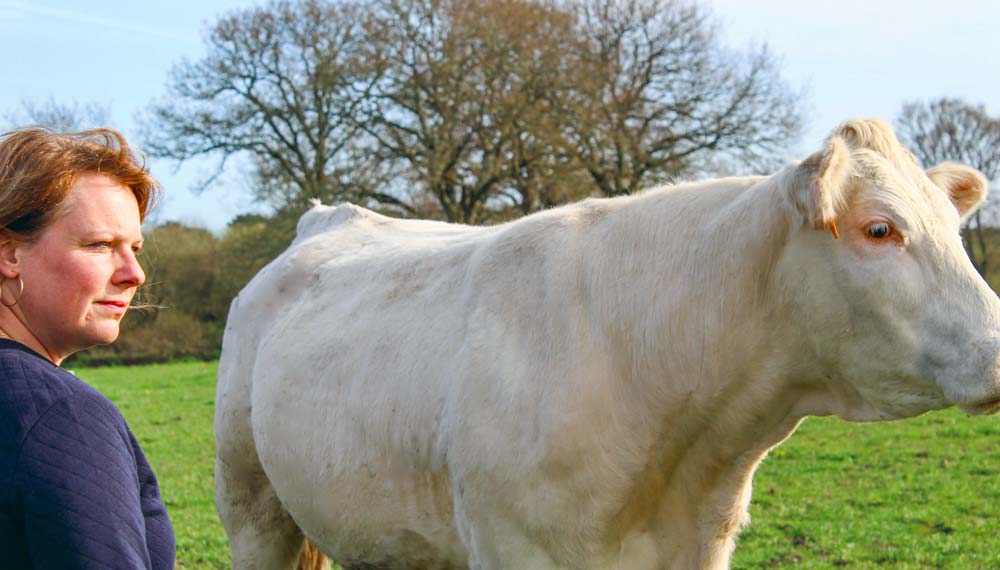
(818, 184)
(966, 187)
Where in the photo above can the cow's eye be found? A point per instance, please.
(879, 230)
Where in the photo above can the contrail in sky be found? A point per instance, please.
(82, 18)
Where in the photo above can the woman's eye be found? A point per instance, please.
(879, 230)
(100, 244)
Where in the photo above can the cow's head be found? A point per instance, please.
(895, 317)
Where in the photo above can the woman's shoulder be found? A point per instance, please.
(30, 386)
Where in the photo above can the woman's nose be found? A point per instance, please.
(130, 273)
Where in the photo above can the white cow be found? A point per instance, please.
(593, 386)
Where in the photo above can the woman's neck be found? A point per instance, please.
(13, 327)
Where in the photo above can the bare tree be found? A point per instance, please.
(281, 83)
(653, 94)
(63, 117)
(463, 99)
(953, 130)
(470, 110)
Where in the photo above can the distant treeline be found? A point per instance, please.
(991, 261)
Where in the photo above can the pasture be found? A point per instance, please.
(923, 493)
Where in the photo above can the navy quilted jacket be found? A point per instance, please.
(76, 490)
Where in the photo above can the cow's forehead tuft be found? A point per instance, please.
(902, 179)
(876, 136)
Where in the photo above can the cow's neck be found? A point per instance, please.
(709, 360)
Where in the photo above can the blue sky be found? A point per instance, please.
(119, 53)
(853, 58)
(867, 57)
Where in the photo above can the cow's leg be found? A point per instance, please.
(261, 533)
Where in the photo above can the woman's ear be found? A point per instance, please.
(9, 255)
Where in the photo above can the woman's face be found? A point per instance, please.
(81, 273)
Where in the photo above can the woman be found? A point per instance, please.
(75, 488)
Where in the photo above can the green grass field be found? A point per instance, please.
(922, 493)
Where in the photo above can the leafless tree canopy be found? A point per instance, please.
(472, 110)
(283, 83)
(462, 100)
(953, 130)
(63, 117)
(654, 94)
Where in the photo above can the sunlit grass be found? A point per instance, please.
(920, 493)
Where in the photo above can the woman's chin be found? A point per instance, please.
(106, 333)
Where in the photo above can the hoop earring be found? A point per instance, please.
(20, 291)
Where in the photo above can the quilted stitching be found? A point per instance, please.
(76, 490)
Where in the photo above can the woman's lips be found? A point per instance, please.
(117, 307)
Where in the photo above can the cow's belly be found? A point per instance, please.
(382, 522)
(358, 505)
(361, 480)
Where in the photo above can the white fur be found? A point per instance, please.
(591, 386)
